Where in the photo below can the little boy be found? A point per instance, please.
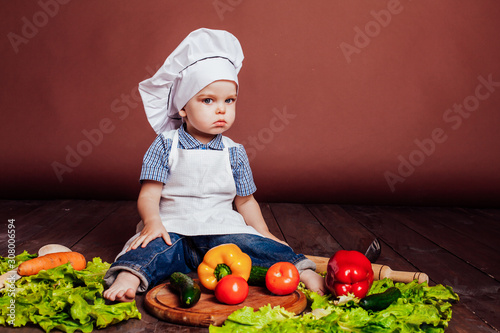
(191, 174)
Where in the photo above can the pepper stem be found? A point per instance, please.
(221, 270)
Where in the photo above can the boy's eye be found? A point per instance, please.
(207, 100)
(230, 100)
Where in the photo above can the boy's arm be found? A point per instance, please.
(249, 208)
(148, 205)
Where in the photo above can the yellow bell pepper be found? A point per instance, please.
(223, 260)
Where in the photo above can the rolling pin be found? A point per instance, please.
(379, 271)
(383, 271)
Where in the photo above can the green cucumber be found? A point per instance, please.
(378, 302)
(258, 276)
(188, 290)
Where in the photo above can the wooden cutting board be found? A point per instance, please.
(163, 303)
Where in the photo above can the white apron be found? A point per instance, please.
(198, 196)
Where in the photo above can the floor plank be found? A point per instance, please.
(107, 239)
(478, 290)
(471, 226)
(16, 209)
(80, 219)
(38, 220)
(302, 230)
(352, 235)
(465, 321)
(461, 245)
(271, 222)
(454, 246)
(491, 214)
(13, 213)
(348, 232)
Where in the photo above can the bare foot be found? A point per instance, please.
(124, 287)
(313, 281)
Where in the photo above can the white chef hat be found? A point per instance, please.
(203, 57)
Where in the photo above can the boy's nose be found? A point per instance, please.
(221, 108)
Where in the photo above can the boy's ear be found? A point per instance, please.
(182, 113)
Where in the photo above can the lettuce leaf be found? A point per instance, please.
(420, 309)
(64, 299)
(7, 265)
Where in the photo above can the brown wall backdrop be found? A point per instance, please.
(392, 102)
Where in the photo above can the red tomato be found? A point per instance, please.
(231, 289)
(282, 278)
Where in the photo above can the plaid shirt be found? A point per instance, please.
(155, 162)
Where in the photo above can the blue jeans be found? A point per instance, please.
(157, 261)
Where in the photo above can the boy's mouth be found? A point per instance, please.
(220, 122)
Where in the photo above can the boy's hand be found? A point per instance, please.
(150, 232)
(148, 205)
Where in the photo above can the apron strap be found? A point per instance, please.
(227, 142)
(173, 150)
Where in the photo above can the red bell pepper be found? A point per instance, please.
(349, 272)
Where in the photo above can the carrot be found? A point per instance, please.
(51, 260)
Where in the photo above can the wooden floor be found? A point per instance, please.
(454, 246)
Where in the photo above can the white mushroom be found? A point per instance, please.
(52, 248)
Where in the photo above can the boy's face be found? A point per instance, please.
(211, 111)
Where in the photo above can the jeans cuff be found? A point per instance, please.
(305, 264)
(112, 273)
